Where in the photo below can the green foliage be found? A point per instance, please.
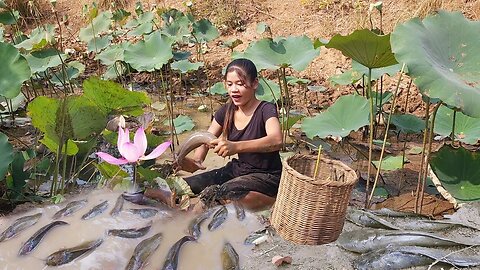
(9, 18)
(99, 25)
(151, 54)
(39, 38)
(467, 129)
(41, 61)
(407, 123)
(72, 71)
(348, 113)
(365, 47)
(391, 163)
(268, 90)
(14, 70)
(441, 53)
(218, 89)
(97, 44)
(459, 172)
(204, 31)
(6, 155)
(185, 66)
(182, 123)
(294, 52)
(112, 54)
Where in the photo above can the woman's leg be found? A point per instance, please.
(256, 201)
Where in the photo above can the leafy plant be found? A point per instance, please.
(466, 129)
(13, 72)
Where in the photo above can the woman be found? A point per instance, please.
(250, 128)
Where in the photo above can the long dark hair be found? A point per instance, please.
(247, 72)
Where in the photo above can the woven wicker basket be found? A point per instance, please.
(312, 211)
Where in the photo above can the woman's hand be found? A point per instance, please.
(223, 147)
(190, 165)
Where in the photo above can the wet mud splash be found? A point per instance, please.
(115, 252)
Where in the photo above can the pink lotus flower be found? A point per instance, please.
(133, 152)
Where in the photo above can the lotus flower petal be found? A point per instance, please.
(140, 140)
(112, 160)
(123, 138)
(157, 151)
(131, 152)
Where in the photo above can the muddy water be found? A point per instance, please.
(115, 252)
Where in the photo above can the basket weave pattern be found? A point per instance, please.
(312, 211)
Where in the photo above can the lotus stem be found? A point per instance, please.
(370, 138)
(317, 163)
(408, 94)
(385, 136)
(422, 158)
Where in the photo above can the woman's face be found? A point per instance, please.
(239, 92)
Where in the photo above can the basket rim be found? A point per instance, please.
(351, 176)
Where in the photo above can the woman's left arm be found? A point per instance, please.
(271, 142)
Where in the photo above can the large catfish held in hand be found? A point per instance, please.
(193, 141)
(363, 240)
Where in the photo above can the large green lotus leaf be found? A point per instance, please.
(185, 66)
(267, 90)
(14, 70)
(204, 30)
(376, 72)
(40, 61)
(72, 71)
(391, 163)
(408, 123)
(348, 77)
(40, 37)
(142, 18)
(6, 155)
(178, 29)
(347, 114)
(294, 52)
(467, 129)
(459, 172)
(111, 97)
(112, 54)
(365, 47)
(441, 53)
(151, 54)
(142, 29)
(85, 117)
(7, 18)
(52, 144)
(99, 25)
(43, 111)
(97, 44)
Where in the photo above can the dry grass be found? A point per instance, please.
(225, 14)
(114, 4)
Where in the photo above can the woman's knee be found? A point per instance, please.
(256, 201)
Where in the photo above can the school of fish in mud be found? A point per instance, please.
(126, 237)
(108, 230)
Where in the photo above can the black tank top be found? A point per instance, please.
(253, 162)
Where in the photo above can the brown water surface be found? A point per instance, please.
(115, 252)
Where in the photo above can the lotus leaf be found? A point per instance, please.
(52, 145)
(231, 43)
(72, 71)
(408, 123)
(294, 52)
(39, 38)
(358, 71)
(182, 123)
(6, 155)
(99, 25)
(112, 54)
(268, 90)
(348, 113)
(365, 47)
(178, 29)
(293, 118)
(459, 172)
(7, 18)
(17, 174)
(3, 4)
(218, 89)
(151, 54)
(262, 27)
(16, 102)
(348, 77)
(181, 55)
(467, 129)
(142, 29)
(204, 31)
(120, 15)
(43, 110)
(294, 81)
(115, 70)
(146, 17)
(111, 97)
(391, 163)
(185, 66)
(444, 68)
(97, 44)
(317, 88)
(14, 70)
(85, 118)
(42, 60)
